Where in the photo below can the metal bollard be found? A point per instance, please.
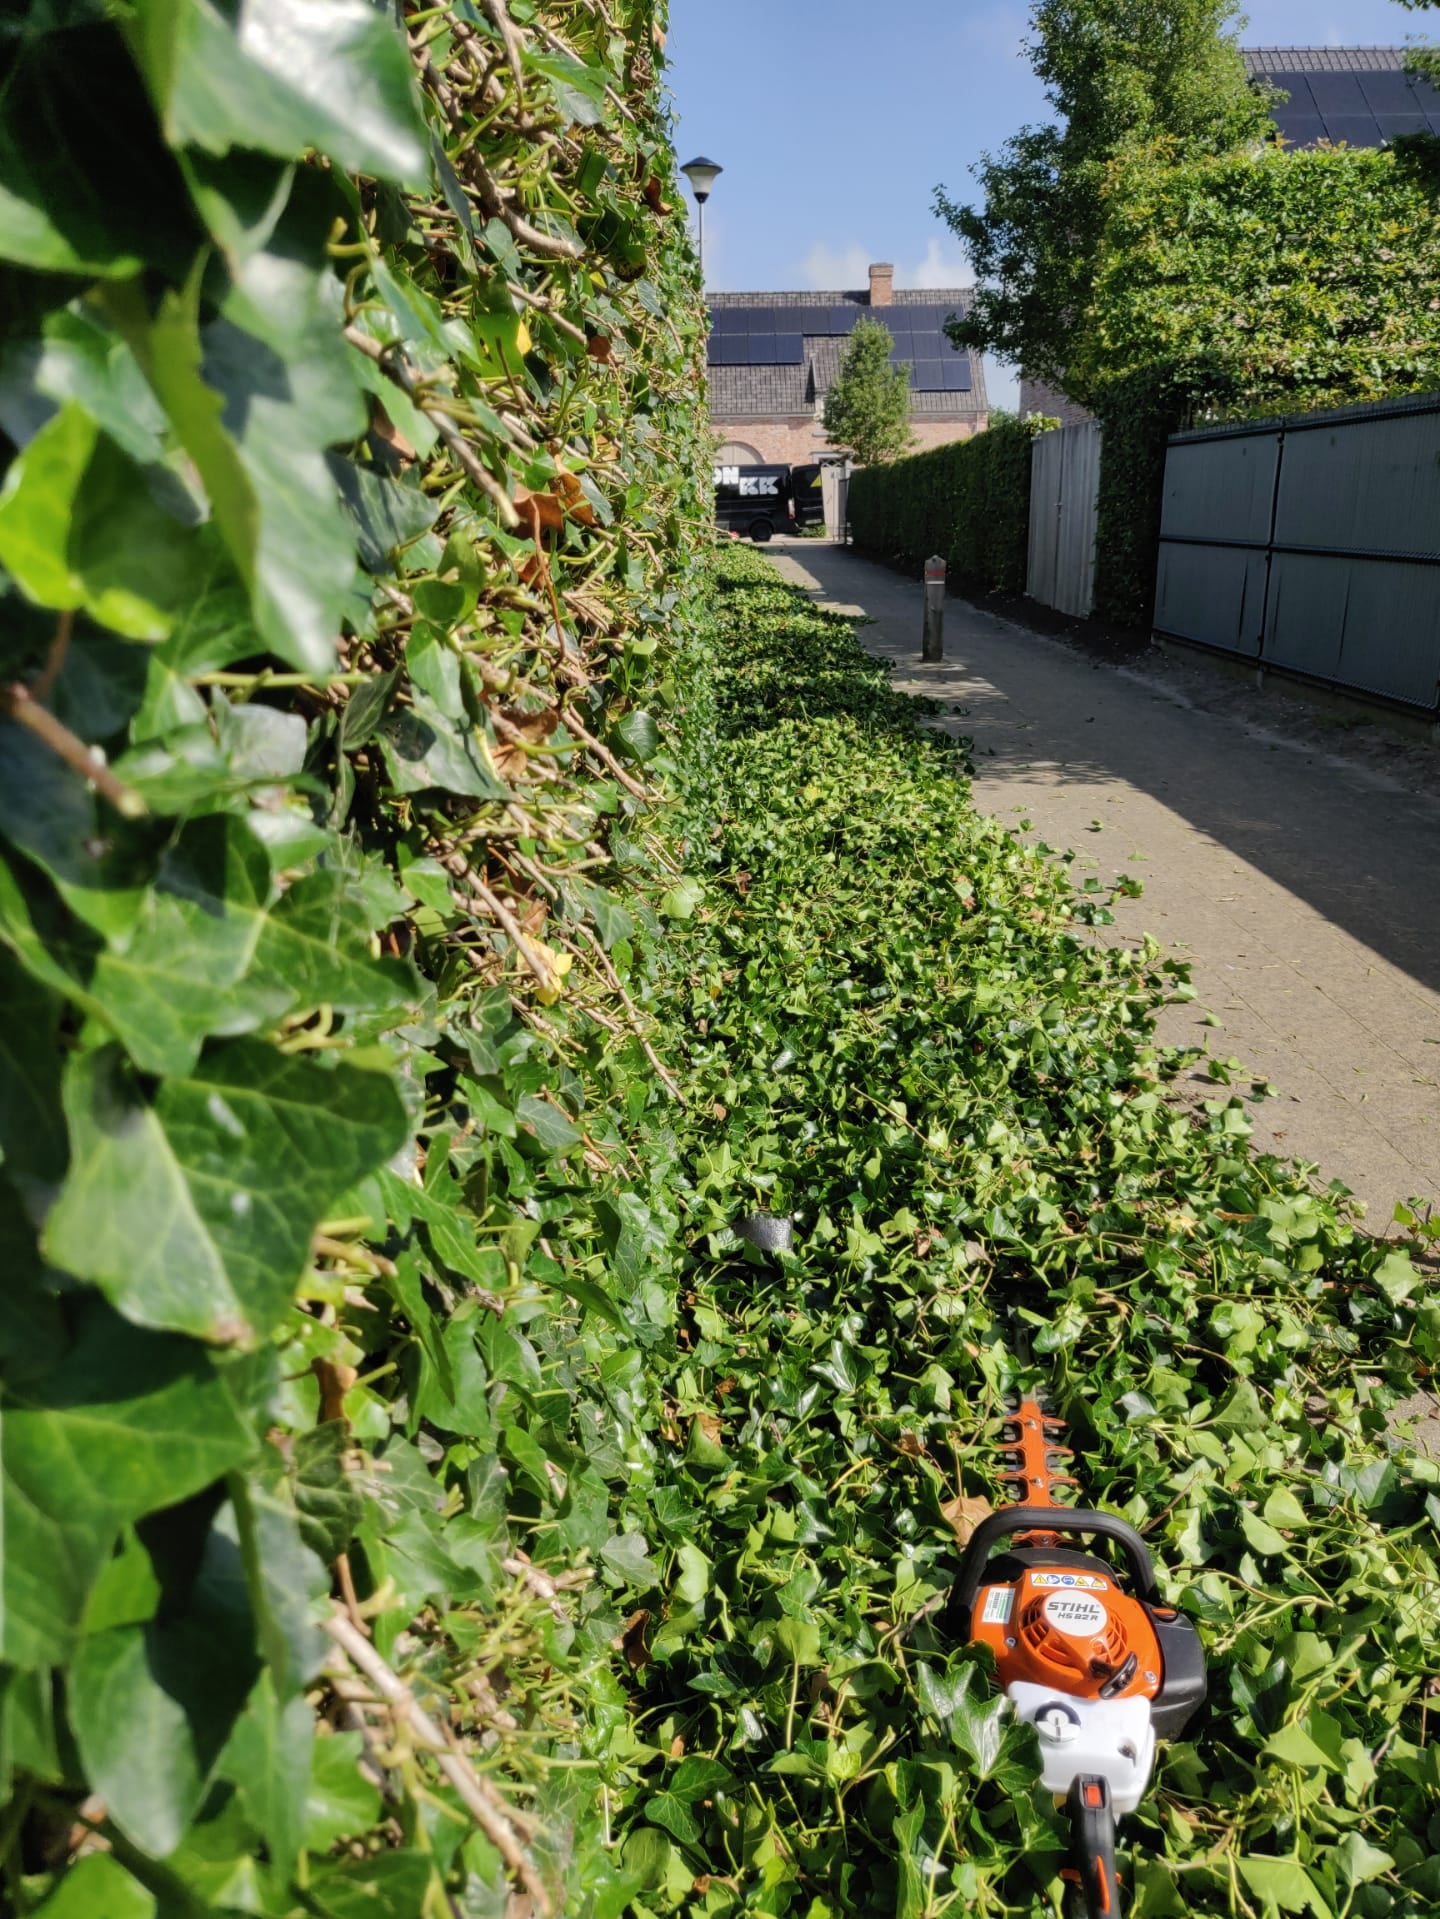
(933, 644)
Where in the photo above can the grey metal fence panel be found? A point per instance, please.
(1369, 485)
(1370, 626)
(1221, 489)
(1064, 503)
(1213, 595)
(1311, 544)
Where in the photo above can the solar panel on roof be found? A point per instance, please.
(789, 349)
(728, 320)
(955, 374)
(1395, 125)
(842, 319)
(1297, 85)
(926, 376)
(1337, 93)
(762, 349)
(1388, 93)
(1300, 129)
(1355, 129)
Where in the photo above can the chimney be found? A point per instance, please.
(882, 286)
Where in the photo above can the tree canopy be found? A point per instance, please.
(1120, 74)
(868, 408)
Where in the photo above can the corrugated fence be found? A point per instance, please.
(1311, 544)
(1064, 497)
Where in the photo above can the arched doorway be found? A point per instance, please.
(737, 453)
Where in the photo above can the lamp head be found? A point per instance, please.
(702, 174)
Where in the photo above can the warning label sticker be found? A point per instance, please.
(1075, 1613)
(1083, 1582)
(999, 1602)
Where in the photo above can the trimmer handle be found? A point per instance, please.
(1051, 1519)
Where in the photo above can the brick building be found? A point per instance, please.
(1360, 95)
(774, 357)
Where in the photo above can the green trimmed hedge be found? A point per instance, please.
(1239, 288)
(969, 501)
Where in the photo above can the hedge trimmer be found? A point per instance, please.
(1101, 1673)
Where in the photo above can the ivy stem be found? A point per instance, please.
(20, 704)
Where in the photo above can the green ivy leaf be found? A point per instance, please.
(117, 1393)
(98, 1884)
(639, 735)
(193, 1211)
(221, 82)
(1283, 1884)
(387, 1885)
(268, 1759)
(341, 1801)
(152, 1705)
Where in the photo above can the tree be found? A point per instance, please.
(868, 408)
(1121, 74)
(1427, 59)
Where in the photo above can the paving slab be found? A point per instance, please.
(1302, 886)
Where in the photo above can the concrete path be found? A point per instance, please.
(1303, 888)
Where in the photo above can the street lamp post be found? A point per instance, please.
(701, 174)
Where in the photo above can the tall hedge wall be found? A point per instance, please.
(1257, 284)
(349, 525)
(969, 501)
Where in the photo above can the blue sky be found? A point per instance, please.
(835, 119)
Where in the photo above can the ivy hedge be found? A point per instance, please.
(352, 489)
(1269, 282)
(902, 1029)
(969, 501)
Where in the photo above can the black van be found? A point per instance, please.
(757, 501)
(807, 491)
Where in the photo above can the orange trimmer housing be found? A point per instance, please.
(1035, 1624)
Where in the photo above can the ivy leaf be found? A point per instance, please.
(328, 1504)
(283, 75)
(97, 1884)
(386, 1885)
(314, 951)
(32, 1127)
(1283, 1884)
(268, 1759)
(193, 1211)
(639, 735)
(627, 1559)
(341, 1801)
(424, 748)
(156, 1403)
(296, 550)
(579, 90)
(1293, 1746)
(549, 1125)
(667, 1810)
(1259, 1536)
(386, 515)
(286, 1581)
(153, 1705)
(82, 526)
(681, 900)
(978, 1727)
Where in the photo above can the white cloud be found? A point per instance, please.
(842, 267)
(944, 265)
(849, 267)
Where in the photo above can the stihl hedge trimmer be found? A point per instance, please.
(1100, 1672)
